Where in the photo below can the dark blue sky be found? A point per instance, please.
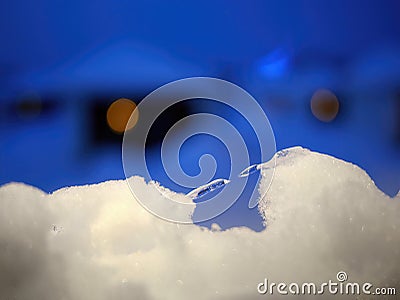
(39, 33)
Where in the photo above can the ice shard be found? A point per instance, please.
(207, 188)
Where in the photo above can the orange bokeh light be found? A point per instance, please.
(324, 105)
(118, 115)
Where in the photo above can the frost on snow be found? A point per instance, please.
(323, 216)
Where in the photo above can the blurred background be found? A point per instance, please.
(327, 73)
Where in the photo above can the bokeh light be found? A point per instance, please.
(324, 105)
(275, 64)
(118, 115)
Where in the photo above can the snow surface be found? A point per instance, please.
(323, 216)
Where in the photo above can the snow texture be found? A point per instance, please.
(323, 216)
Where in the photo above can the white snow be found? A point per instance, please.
(323, 216)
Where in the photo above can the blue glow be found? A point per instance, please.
(275, 64)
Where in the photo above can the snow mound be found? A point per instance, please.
(323, 216)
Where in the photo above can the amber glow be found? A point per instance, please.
(118, 115)
(324, 105)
